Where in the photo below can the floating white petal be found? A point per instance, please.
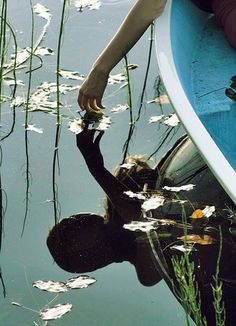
(137, 195)
(208, 211)
(80, 282)
(76, 126)
(153, 203)
(115, 79)
(172, 120)
(55, 312)
(71, 74)
(141, 226)
(181, 188)
(42, 11)
(35, 129)
(50, 286)
(155, 118)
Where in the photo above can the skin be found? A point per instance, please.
(134, 25)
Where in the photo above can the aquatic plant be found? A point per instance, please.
(218, 303)
(187, 292)
(55, 163)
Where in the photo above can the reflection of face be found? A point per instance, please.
(80, 243)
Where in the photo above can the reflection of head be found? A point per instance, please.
(79, 243)
(137, 175)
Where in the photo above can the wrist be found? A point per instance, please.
(101, 69)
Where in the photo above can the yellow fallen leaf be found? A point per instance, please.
(195, 238)
(198, 213)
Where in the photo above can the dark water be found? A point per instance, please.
(117, 298)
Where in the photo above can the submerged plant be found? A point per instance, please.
(218, 303)
(187, 292)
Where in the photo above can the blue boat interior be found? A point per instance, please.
(205, 63)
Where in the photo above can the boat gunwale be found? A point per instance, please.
(210, 152)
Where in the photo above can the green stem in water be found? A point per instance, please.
(2, 46)
(58, 116)
(27, 191)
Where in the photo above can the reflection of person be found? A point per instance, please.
(85, 242)
(134, 25)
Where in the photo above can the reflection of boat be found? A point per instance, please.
(196, 65)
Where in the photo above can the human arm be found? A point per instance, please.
(88, 145)
(135, 24)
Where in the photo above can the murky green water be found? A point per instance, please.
(117, 298)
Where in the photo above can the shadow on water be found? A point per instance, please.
(145, 223)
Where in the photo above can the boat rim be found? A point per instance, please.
(220, 167)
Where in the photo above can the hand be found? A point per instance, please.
(89, 147)
(92, 90)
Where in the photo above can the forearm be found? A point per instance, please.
(133, 27)
(127, 209)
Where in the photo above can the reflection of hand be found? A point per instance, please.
(89, 147)
(92, 89)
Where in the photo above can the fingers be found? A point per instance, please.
(89, 102)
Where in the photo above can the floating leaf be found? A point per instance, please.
(55, 312)
(17, 101)
(11, 81)
(16, 304)
(44, 51)
(93, 115)
(132, 66)
(120, 108)
(198, 213)
(153, 203)
(102, 124)
(21, 56)
(195, 238)
(208, 211)
(90, 4)
(166, 221)
(181, 188)
(137, 195)
(52, 87)
(141, 226)
(127, 165)
(116, 79)
(33, 128)
(42, 11)
(50, 286)
(155, 118)
(172, 120)
(162, 99)
(71, 74)
(182, 248)
(80, 282)
(76, 126)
